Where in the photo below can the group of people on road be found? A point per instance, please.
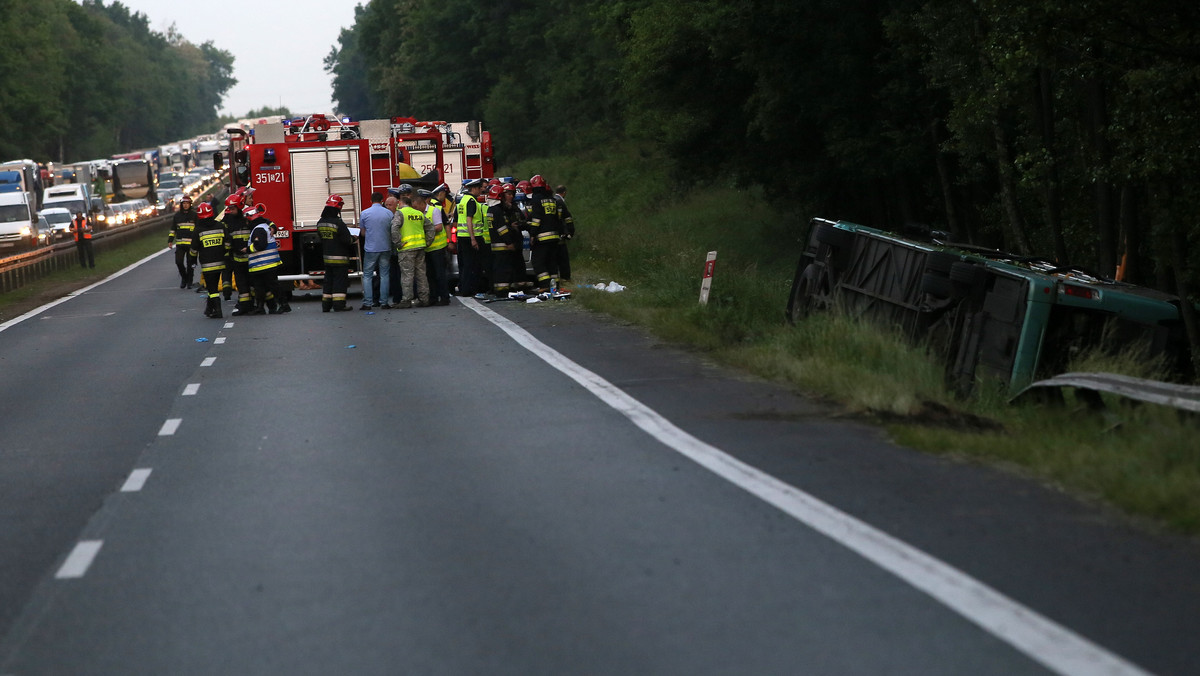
(237, 250)
(407, 239)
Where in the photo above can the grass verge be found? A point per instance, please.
(634, 228)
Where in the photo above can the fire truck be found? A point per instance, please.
(295, 165)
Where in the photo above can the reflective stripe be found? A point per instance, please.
(212, 267)
(336, 260)
(544, 236)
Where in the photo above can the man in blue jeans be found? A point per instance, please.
(376, 223)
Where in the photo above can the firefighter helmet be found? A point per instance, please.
(335, 201)
(537, 182)
(256, 211)
(495, 192)
(509, 187)
(205, 210)
(523, 186)
(234, 201)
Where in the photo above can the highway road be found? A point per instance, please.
(514, 489)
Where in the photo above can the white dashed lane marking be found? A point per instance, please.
(137, 479)
(229, 325)
(191, 389)
(169, 427)
(79, 560)
(208, 361)
(219, 341)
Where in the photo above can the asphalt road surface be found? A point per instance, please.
(514, 489)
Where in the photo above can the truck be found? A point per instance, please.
(988, 314)
(295, 165)
(29, 178)
(133, 179)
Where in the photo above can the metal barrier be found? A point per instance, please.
(17, 271)
(1088, 386)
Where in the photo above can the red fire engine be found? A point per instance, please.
(294, 166)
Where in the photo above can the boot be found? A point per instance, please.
(340, 305)
(272, 307)
(216, 312)
(284, 307)
(208, 307)
(242, 309)
(326, 304)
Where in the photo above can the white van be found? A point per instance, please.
(73, 197)
(18, 222)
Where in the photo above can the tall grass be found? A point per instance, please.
(636, 228)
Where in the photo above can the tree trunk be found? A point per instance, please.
(1018, 238)
(957, 228)
(1052, 202)
(1097, 123)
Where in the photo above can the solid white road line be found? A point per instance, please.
(219, 341)
(1040, 638)
(191, 389)
(137, 479)
(79, 560)
(208, 361)
(37, 311)
(169, 427)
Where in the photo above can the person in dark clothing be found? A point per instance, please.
(337, 248)
(471, 222)
(505, 238)
(518, 222)
(567, 234)
(83, 241)
(183, 225)
(237, 232)
(544, 229)
(210, 248)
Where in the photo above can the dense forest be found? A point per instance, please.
(86, 80)
(1067, 129)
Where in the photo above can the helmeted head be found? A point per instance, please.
(335, 201)
(537, 182)
(523, 186)
(495, 192)
(205, 210)
(233, 202)
(256, 211)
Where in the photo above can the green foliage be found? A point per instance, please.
(81, 80)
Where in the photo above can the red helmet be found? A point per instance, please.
(234, 200)
(494, 181)
(537, 182)
(495, 192)
(256, 211)
(335, 201)
(523, 186)
(509, 187)
(205, 210)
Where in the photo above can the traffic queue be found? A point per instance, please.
(486, 229)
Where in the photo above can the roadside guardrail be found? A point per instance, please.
(1088, 387)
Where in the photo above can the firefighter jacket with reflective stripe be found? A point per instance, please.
(440, 240)
(544, 223)
(264, 250)
(502, 231)
(564, 217)
(408, 229)
(80, 227)
(182, 227)
(237, 232)
(209, 245)
(337, 244)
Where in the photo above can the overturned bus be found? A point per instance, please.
(988, 314)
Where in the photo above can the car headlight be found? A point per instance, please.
(25, 231)
(101, 217)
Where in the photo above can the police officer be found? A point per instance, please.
(183, 226)
(210, 247)
(337, 247)
(264, 263)
(469, 219)
(544, 227)
(409, 227)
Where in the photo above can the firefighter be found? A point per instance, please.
(337, 247)
(436, 263)
(183, 225)
(264, 263)
(469, 215)
(237, 232)
(505, 238)
(409, 229)
(83, 241)
(543, 234)
(519, 222)
(210, 247)
(566, 235)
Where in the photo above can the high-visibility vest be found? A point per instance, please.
(461, 228)
(267, 258)
(81, 228)
(440, 239)
(412, 231)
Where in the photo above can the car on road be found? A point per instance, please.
(59, 222)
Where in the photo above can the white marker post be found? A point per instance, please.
(709, 264)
